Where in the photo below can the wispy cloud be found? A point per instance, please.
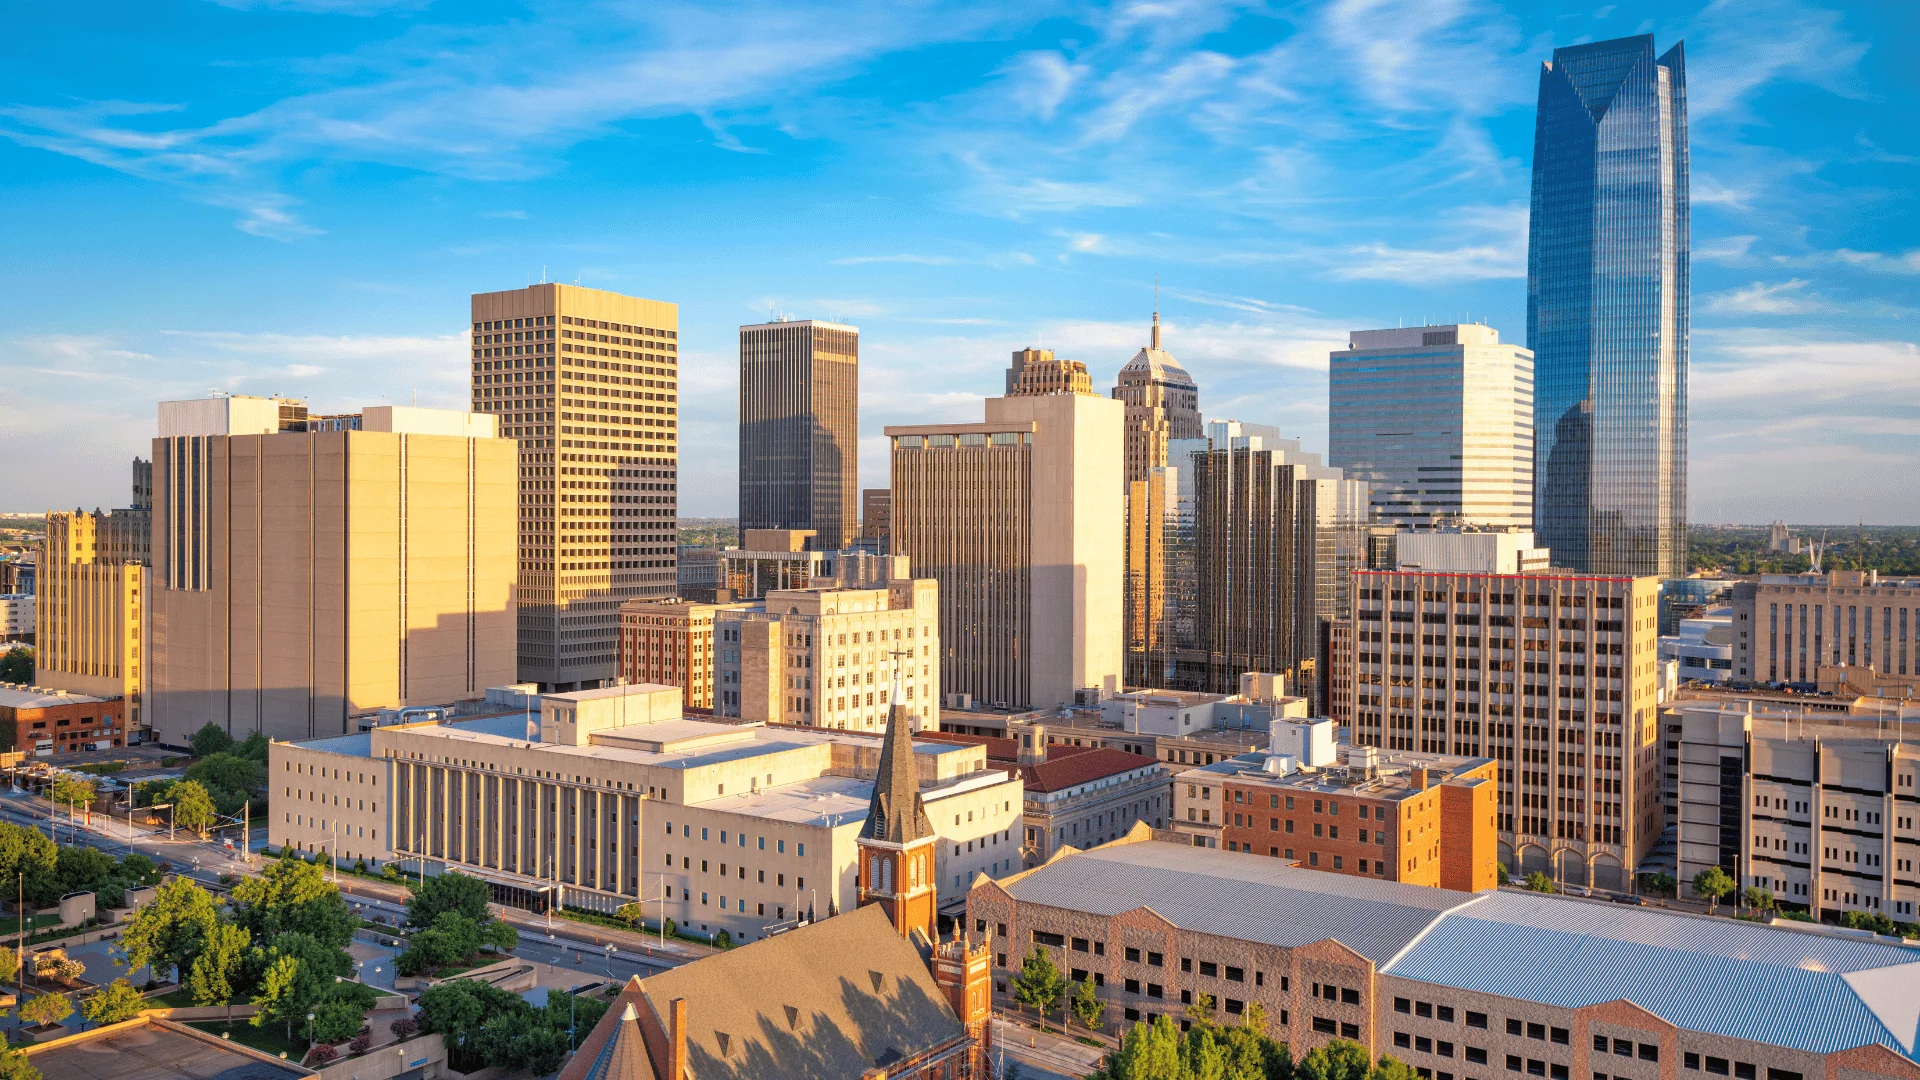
(1760, 298)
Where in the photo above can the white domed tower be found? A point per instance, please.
(1162, 404)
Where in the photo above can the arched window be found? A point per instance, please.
(886, 876)
(873, 872)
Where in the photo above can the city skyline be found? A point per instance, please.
(994, 200)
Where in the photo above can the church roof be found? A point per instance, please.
(896, 815)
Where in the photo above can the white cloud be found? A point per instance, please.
(1760, 298)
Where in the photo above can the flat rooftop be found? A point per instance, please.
(155, 1051)
(1391, 779)
(20, 697)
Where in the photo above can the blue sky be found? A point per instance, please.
(297, 196)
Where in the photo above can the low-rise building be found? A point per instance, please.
(1703, 648)
(41, 722)
(613, 796)
(823, 658)
(1824, 815)
(1786, 627)
(1456, 984)
(16, 617)
(670, 642)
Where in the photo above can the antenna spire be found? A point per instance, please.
(1156, 314)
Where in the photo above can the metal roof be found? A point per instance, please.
(1227, 893)
(1722, 976)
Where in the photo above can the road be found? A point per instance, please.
(1042, 1056)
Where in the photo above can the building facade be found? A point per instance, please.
(1553, 676)
(1608, 307)
(1788, 627)
(823, 658)
(43, 723)
(1825, 816)
(90, 623)
(17, 617)
(670, 643)
(800, 428)
(1703, 649)
(1020, 520)
(876, 516)
(1163, 404)
(1438, 422)
(1432, 976)
(300, 578)
(1036, 371)
(587, 383)
(613, 796)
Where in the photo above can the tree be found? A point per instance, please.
(113, 1003)
(1759, 899)
(1147, 1052)
(1391, 1069)
(9, 963)
(404, 1028)
(73, 789)
(1202, 1009)
(210, 979)
(1087, 1007)
(80, 868)
(1039, 983)
(279, 989)
(1659, 883)
(16, 666)
(46, 1010)
(1254, 1019)
(1861, 920)
(15, 1066)
(456, 1009)
(500, 934)
(321, 1054)
(1501, 876)
(170, 931)
(232, 780)
(291, 896)
(192, 807)
(563, 1007)
(1339, 1059)
(211, 739)
(254, 747)
(631, 914)
(1539, 882)
(341, 1011)
(451, 891)
(1712, 884)
(523, 1041)
(28, 851)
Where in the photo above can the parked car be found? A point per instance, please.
(1627, 898)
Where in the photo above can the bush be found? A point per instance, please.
(404, 1028)
(360, 1044)
(723, 939)
(322, 1054)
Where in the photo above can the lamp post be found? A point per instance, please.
(609, 960)
(309, 1031)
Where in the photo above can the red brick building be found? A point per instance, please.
(52, 723)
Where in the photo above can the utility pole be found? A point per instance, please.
(246, 842)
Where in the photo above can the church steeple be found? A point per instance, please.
(896, 845)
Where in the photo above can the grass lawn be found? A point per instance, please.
(183, 999)
(269, 1038)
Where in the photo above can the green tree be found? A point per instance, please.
(291, 896)
(137, 869)
(1757, 898)
(631, 914)
(1039, 983)
(341, 1011)
(1391, 1069)
(1147, 1052)
(1087, 1006)
(16, 664)
(192, 807)
(84, 869)
(500, 934)
(211, 739)
(451, 891)
(113, 1003)
(46, 1010)
(279, 996)
(1659, 883)
(1711, 884)
(29, 852)
(1539, 882)
(232, 780)
(523, 1041)
(1202, 1009)
(1861, 920)
(1254, 1019)
(254, 747)
(1500, 874)
(456, 1009)
(211, 977)
(169, 932)
(1339, 1059)
(15, 1066)
(584, 1012)
(75, 790)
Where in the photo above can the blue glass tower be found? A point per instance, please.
(1607, 308)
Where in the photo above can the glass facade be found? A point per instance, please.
(1607, 308)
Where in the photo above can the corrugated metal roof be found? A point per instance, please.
(1721, 976)
(1234, 895)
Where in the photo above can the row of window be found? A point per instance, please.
(738, 838)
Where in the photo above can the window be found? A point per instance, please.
(1235, 974)
(1153, 990)
(1536, 1067)
(1717, 1066)
(1133, 956)
(1424, 1009)
(1513, 1063)
(1325, 1026)
(1133, 986)
(1476, 1020)
(1079, 945)
(1423, 1044)
(1154, 959)
(1477, 1055)
(1041, 937)
(1648, 1051)
(1186, 964)
(1445, 1012)
(1402, 1005)
(1443, 1048)
(1561, 1036)
(1209, 969)
(1515, 1027)
(1402, 1040)
(1537, 1031)
(1559, 1072)
(1743, 1070)
(1782, 1074)
(1349, 997)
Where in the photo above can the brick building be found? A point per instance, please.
(1461, 986)
(670, 643)
(48, 723)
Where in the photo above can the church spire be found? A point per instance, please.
(896, 814)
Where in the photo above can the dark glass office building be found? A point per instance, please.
(1607, 308)
(800, 429)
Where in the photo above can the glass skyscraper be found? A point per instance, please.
(1607, 308)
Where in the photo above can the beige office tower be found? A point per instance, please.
(304, 578)
(1162, 403)
(1553, 675)
(800, 429)
(1020, 519)
(588, 382)
(89, 618)
(1037, 371)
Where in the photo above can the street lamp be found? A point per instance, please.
(309, 1029)
(609, 960)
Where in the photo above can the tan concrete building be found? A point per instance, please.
(876, 515)
(1554, 676)
(301, 578)
(1456, 985)
(614, 796)
(1036, 371)
(587, 381)
(1788, 628)
(823, 658)
(1163, 404)
(1020, 520)
(90, 624)
(670, 642)
(800, 428)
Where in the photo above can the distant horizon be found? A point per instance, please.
(304, 196)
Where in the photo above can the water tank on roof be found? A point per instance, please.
(1280, 764)
(1310, 741)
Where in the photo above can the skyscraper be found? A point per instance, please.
(1038, 371)
(588, 382)
(1162, 403)
(89, 619)
(800, 429)
(1607, 308)
(1438, 420)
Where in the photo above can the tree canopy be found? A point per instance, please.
(113, 1003)
(169, 931)
(209, 740)
(1039, 983)
(293, 896)
(451, 891)
(1158, 1051)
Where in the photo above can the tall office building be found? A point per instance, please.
(1553, 675)
(876, 517)
(800, 429)
(1607, 308)
(1038, 371)
(588, 382)
(1019, 519)
(1438, 420)
(304, 577)
(1275, 536)
(89, 618)
(1162, 403)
